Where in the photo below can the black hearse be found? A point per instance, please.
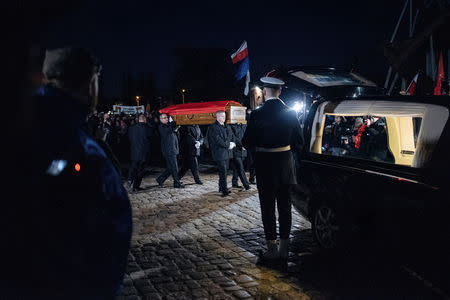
(373, 166)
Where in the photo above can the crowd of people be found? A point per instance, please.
(160, 142)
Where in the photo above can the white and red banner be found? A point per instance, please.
(240, 54)
(412, 86)
(241, 57)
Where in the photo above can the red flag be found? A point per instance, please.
(440, 77)
(412, 86)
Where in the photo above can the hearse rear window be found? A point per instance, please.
(377, 138)
(400, 133)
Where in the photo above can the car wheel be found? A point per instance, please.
(326, 227)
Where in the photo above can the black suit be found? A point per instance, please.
(190, 135)
(274, 125)
(139, 136)
(219, 138)
(239, 153)
(170, 150)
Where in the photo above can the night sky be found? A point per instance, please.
(141, 37)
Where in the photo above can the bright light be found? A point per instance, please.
(183, 90)
(298, 106)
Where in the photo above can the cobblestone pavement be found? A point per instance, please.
(192, 243)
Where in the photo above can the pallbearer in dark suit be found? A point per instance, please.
(139, 135)
(192, 139)
(220, 139)
(170, 150)
(275, 132)
(239, 153)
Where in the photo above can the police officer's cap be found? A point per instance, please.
(272, 82)
(69, 64)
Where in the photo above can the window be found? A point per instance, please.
(364, 137)
(400, 133)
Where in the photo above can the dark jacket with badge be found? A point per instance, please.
(79, 212)
(219, 138)
(169, 139)
(140, 135)
(238, 131)
(192, 134)
(274, 125)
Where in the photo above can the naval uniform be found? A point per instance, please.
(275, 132)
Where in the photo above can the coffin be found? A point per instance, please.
(203, 113)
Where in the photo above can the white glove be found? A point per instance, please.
(197, 144)
(170, 119)
(232, 145)
(243, 148)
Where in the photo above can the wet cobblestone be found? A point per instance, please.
(193, 244)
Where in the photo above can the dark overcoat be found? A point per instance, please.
(79, 212)
(169, 139)
(139, 135)
(238, 131)
(192, 134)
(219, 138)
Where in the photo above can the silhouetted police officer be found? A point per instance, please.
(81, 216)
(275, 132)
(139, 135)
(170, 150)
(192, 139)
(239, 153)
(220, 139)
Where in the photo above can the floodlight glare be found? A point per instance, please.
(298, 106)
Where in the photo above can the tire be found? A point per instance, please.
(326, 227)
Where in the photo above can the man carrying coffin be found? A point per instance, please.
(220, 139)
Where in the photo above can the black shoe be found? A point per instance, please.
(178, 186)
(236, 186)
(273, 263)
(161, 184)
(226, 193)
(252, 181)
(129, 186)
(247, 187)
(199, 182)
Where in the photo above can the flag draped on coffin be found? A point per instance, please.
(241, 57)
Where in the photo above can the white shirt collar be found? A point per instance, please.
(273, 98)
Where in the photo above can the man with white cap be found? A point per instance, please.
(274, 131)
